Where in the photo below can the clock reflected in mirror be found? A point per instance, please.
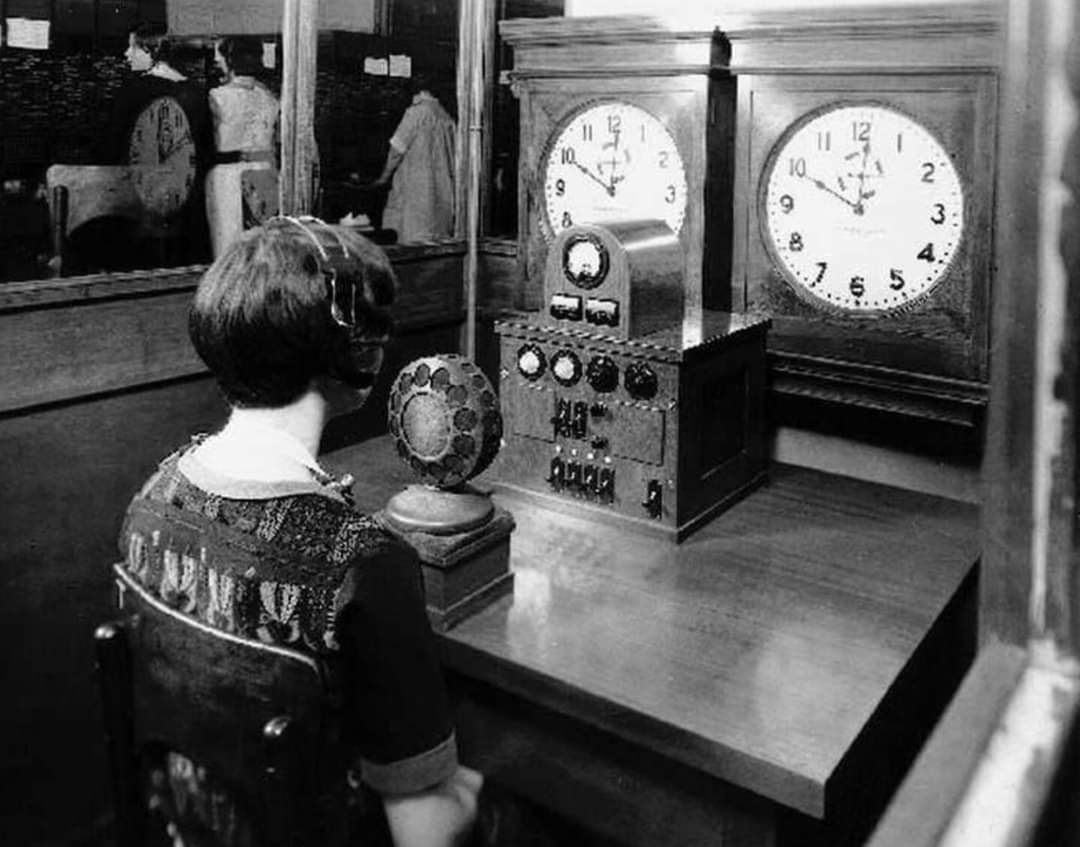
(861, 208)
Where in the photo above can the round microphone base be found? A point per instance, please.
(424, 508)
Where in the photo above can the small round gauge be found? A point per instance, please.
(640, 381)
(585, 261)
(566, 367)
(531, 362)
(602, 374)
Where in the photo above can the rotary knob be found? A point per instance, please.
(640, 381)
(566, 367)
(602, 374)
(531, 362)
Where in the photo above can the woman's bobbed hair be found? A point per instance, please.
(243, 54)
(263, 318)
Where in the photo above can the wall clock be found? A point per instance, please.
(612, 161)
(863, 203)
(862, 209)
(163, 157)
(623, 119)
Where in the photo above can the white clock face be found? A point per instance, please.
(613, 161)
(862, 208)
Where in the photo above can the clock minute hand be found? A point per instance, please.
(610, 189)
(819, 184)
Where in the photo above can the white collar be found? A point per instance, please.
(252, 450)
(165, 71)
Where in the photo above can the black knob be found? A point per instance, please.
(598, 410)
(580, 425)
(602, 374)
(598, 442)
(640, 381)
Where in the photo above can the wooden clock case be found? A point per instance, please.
(562, 65)
(939, 66)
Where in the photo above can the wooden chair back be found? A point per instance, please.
(257, 716)
(78, 194)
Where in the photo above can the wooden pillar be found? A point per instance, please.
(299, 37)
(476, 38)
(1031, 544)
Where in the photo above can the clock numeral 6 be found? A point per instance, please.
(939, 214)
(897, 279)
(927, 253)
(857, 286)
(795, 243)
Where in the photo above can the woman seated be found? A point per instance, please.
(291, 320)
(244, 113)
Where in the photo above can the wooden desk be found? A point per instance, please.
(765, 682)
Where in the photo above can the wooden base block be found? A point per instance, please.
(463, 571)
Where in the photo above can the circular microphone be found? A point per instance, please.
(444, 417)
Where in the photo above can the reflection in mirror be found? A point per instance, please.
(385, 121)
(107, 173)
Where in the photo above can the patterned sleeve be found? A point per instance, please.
(395, 693)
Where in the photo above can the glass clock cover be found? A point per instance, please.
(161, 151)
(862, 208)
(613, 161)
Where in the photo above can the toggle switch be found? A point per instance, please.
(557, 476)
(654, 498)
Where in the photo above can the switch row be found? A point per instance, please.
(581, 478)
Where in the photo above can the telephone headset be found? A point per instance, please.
(357, 359)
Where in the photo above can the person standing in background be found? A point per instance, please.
(245, 124)
(420, 206)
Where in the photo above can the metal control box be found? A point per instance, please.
(662, 430)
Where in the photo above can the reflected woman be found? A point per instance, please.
(245, 126)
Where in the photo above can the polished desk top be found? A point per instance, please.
(756, 651)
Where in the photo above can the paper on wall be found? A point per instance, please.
(269, 54)
(400, 65)
(28, 33)
(376, 67)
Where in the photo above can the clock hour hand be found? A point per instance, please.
(610, 189)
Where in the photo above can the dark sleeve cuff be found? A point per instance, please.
(416, 773)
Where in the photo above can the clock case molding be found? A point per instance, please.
(563, 65)
(938, 65)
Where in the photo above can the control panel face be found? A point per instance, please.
(592, 424)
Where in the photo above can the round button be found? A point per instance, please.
(566, 367)
(530, 361)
